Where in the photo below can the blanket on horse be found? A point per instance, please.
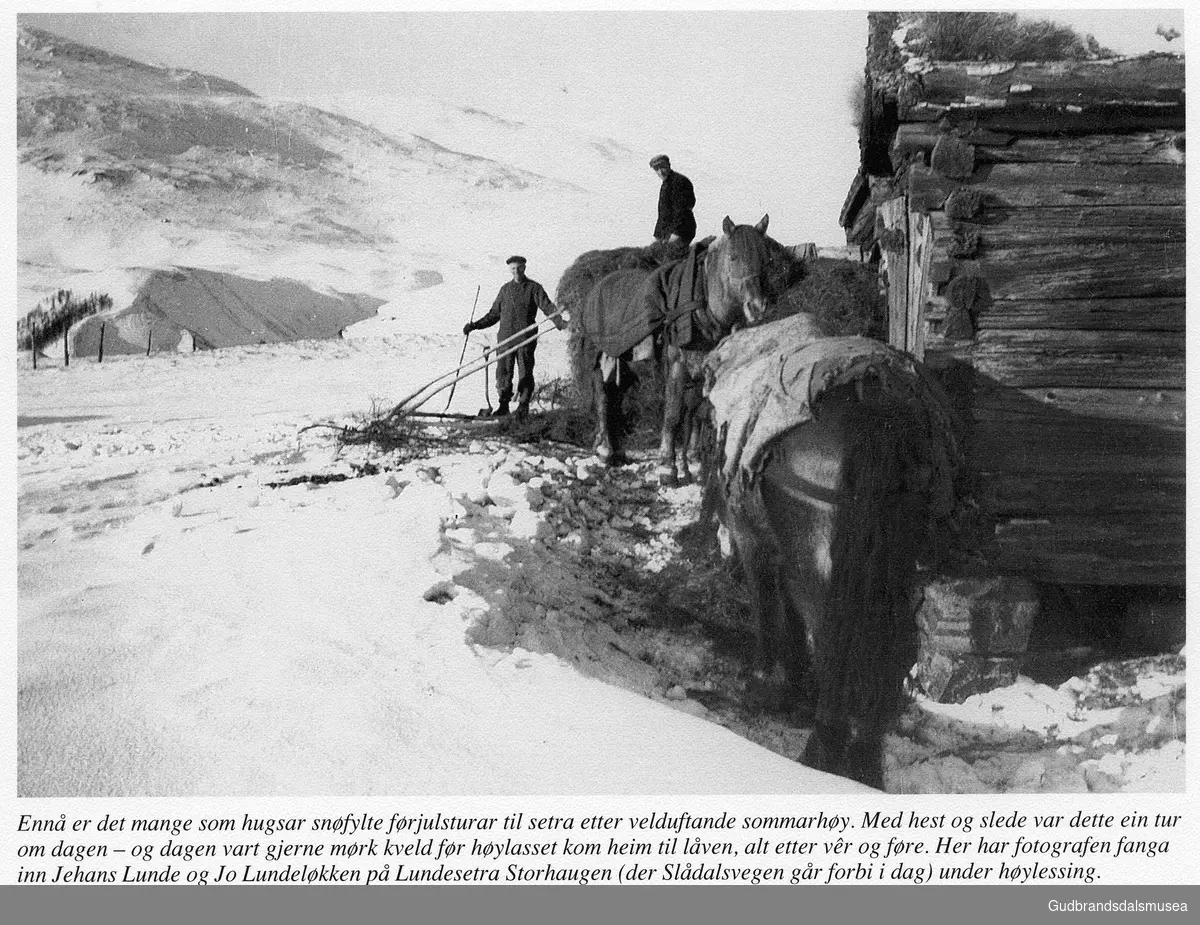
(763, 381)
(628, 306)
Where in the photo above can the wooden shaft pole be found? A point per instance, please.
(504, 348)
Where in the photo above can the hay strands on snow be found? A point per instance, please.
(510, 345)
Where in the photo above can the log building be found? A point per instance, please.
(1029, 221)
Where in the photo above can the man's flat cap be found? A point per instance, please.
(515, 258)
(660, 160)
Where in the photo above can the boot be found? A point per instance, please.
(523, 398)
(502, 410)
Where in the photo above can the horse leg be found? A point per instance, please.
(759, 563)
(864, 756)
(683, 434)
(826, 749)
(799, 486)
(676, 374)
(616, 424)
(846, 746)
(603, 442)
(682, 444)
(762, 581)
(691, 428)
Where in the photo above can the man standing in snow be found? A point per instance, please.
(676, 199)
(516, 308)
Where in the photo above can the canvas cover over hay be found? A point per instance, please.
(763, 381)
(665, 297)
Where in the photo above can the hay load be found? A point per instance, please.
(843, 295)
(577, 281)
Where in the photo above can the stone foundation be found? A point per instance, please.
(973, 633)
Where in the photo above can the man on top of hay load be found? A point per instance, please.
(676, 199)
(516, 308)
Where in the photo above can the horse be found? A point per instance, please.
(674, 314)
(828, 523)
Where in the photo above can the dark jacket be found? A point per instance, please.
(676, 199)
(516, 307)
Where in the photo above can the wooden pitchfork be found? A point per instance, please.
(463, 355)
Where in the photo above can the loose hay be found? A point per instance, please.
(845, 297)
(414, 435)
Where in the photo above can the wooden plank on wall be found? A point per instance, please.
(1003, 228)
(1147, 501)
(1015, 408)
(1069, 550)
(1082, 359)
(1048, 185)
(1075, 498)
(894, 240)
(1056, 120)
(1149, 79)
(1056, 444)
(1112, 271)
(920, 253)
(1160, 147)
(1151, 314)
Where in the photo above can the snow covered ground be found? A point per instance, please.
(187, 629)
(213, 600)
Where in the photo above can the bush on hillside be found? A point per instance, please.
(53, 316)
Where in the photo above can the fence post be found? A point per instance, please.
(100, 351)
(149, 339)
(66, 346)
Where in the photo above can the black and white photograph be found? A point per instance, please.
(588, 403)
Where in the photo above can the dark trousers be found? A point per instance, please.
(523, 360)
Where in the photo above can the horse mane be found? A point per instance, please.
(784, 268)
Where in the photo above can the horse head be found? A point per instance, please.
(737, 274)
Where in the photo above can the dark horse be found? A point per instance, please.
(828, 521)
(680, 311)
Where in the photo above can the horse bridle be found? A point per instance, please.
(734, 282)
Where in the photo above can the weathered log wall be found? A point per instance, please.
(1033, 237)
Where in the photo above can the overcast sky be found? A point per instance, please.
(649, 59)
(646, 57)
(764, 94)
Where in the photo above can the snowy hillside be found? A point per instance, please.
(125, 167)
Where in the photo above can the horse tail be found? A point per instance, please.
(869, 634)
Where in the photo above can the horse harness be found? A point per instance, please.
(703, 332)
(803, 489)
